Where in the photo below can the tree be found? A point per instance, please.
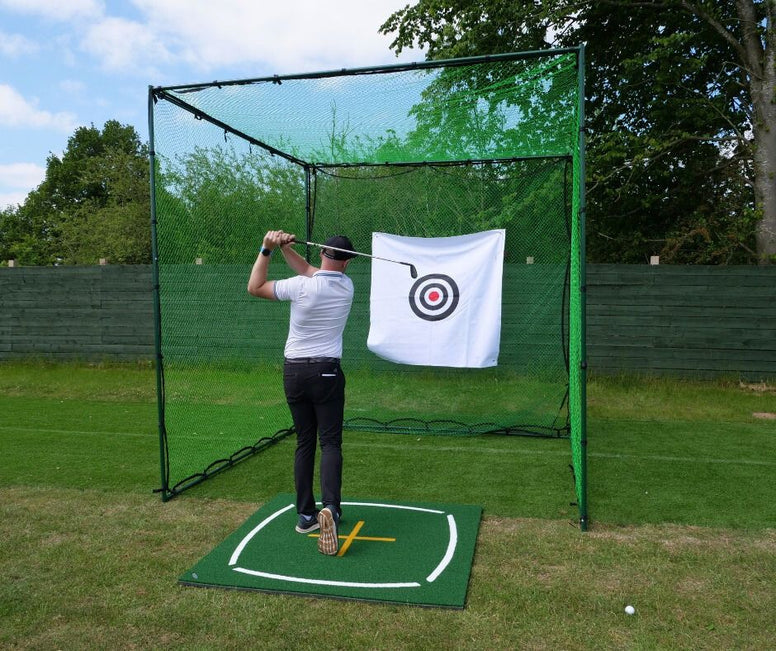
(22, 238)
(210, 198)
(93, 203)
(113, 220)
(681, 113)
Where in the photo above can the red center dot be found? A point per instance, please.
(433, 296)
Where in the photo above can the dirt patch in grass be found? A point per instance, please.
(757, 387)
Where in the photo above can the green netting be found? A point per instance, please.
(429, 150)
(450, 112)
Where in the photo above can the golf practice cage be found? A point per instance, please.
(431, 149)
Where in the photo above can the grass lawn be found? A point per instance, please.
(681, 504)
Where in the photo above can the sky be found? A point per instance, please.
(71, 63)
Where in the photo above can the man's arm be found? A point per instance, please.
(258, 285)
(296, 261)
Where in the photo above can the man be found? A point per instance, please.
(312, 377)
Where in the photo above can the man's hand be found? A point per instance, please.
(258, 285)
(275, 239)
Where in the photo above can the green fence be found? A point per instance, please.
(666, 320)
(76, 313)
(682, 320)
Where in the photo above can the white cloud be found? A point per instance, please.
(284, 37)
(16, 111)
(63, 46)
(72, 86)
(55, 9)
(21, 175)
(14, 45)
(16, 181)
(287, 37)
(9, 199)
(122, 44)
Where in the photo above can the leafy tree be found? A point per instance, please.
(93, 203)
(216, 203)
(21, 237)
(113, 222)
(681, 112)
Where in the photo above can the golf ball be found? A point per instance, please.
(630, 610)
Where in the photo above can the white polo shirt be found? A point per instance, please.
(320, 305)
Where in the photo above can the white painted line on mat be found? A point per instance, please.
(256, 529)
(451, 545)
(393, 506)
(339, 584)
(446, 559)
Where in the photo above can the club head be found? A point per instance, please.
(413, 271)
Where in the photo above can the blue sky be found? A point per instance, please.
(71, 63)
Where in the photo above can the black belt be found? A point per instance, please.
(313, 360)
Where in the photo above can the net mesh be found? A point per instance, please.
(430, 150)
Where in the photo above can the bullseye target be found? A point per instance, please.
(434, 297)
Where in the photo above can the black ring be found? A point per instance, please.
(451, 300)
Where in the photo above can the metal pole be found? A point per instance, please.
(157, 305)
(583, 515)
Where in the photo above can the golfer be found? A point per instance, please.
(312, 376)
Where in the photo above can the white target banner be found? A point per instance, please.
(450, 313)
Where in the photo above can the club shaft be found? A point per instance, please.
(365, 255)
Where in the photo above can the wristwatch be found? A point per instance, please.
(267, 252)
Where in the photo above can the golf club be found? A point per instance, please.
(413, 271)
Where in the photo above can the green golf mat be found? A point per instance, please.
(402, 553)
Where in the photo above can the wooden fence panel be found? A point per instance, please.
(666, 320)
(71, 313)
(682, 320)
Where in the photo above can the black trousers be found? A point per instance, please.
(315, 392)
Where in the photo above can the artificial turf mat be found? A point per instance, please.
(402, 553)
